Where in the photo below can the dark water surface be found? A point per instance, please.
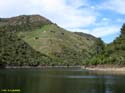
(60, 80)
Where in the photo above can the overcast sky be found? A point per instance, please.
(101, 18)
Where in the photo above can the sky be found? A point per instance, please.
(101, 18)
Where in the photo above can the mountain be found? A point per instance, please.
(34, 40)
(113, 53)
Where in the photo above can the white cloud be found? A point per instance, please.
(105, 19)
(93, 7)
(103, 22)
(101, 31)
(104, 31)
(65, 13)
(9, 8)
(114, 5)
(120, 20)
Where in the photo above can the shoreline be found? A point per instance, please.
(109, 69)
(26, 67)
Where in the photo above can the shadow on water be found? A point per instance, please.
(60, 80)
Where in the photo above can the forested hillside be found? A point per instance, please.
(34, 40)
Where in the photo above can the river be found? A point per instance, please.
(60, 80)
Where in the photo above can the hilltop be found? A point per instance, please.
(34, 40)
(23, 22)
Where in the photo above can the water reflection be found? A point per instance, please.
(60, 81)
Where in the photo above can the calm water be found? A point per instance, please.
(60, 80)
